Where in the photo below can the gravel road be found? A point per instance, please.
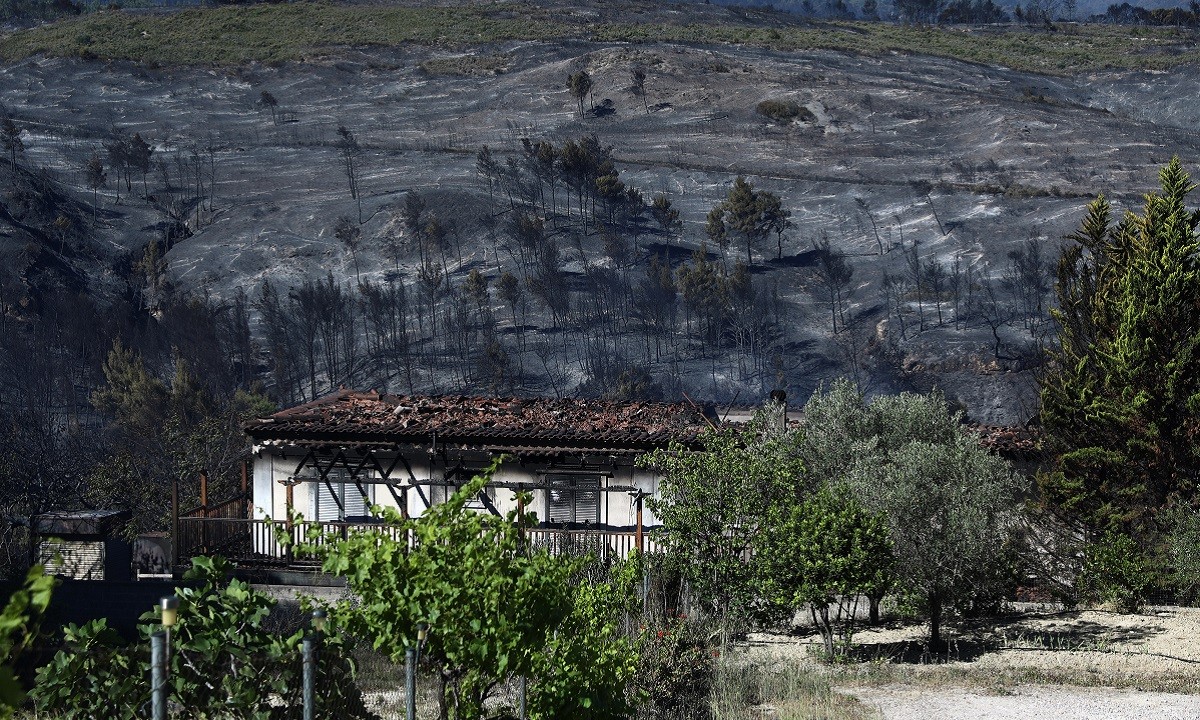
(903, 702)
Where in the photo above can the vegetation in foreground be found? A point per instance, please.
(305, 31)
(895, 486)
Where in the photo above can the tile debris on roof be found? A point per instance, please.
(517, 422)
(524, 426)
(1009, 441)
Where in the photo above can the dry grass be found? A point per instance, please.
(786, 691)
(1152, 652)
(305, 30)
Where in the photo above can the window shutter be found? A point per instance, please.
(356, 505)
(587, 501)
(326, 509)
(573, 499)
(560, 501)
(75, 559)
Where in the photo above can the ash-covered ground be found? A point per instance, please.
(964, 162)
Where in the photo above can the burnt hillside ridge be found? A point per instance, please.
(890, 163)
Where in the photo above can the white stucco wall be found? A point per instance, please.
(271, 470)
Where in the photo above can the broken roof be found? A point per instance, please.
(1012, 442)
(528, 427)
(520, 425)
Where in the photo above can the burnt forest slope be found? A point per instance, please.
(974, 171)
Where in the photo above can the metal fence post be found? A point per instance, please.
(158, 676)
(309, 651)
(410, 683)
(521, 697)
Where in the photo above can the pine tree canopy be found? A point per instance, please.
(1121, 400)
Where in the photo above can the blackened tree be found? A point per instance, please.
(579, 84)
(349, 149)
(140, 152)
(10, 136)
(267, 100)
(96, 179)
(349, 233)
(834, 272)
(638, 76)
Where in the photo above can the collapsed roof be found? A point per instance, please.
(520, 425)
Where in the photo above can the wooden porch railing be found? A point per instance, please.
(605, 543)
(193, 534)
(257, 540)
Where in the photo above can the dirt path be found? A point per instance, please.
(906, 702)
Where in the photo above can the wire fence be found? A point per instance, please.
(153, 681)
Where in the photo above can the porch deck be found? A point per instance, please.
(256, 542)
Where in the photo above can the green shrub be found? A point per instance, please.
(785, 111)
(675, 671)
(96, 676)
(1115, 573)
(825, 553)
(1185, 556)
(222, 660)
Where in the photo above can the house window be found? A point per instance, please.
(352, 503)
(573, 499)
(458, 477)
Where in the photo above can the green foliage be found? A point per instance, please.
(1115, 572)
(951, 511)
(950, 505)
(586, 664)
(19, 623)
(494, 610)
(824, 552)
(675, 670)
(182, 424)
(292, 31)
(221, 654)
(713, 503)
(579, 85)
(1121, 402)
(747, 213)
(784, 110)
(96, 676)
(1184, 542)
(223, 661)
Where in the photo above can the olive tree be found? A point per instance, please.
(950, 504)
(950, 511)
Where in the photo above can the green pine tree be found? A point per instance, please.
(1121, 402)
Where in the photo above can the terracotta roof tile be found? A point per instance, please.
(1011, 441)
(484, 422)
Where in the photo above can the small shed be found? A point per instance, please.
(84, 544)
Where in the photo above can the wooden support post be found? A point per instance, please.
(521, 516)
(204, 510)
(248, 504)
(290, 523)
(641, 535)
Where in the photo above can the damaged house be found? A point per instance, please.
(331, 459)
